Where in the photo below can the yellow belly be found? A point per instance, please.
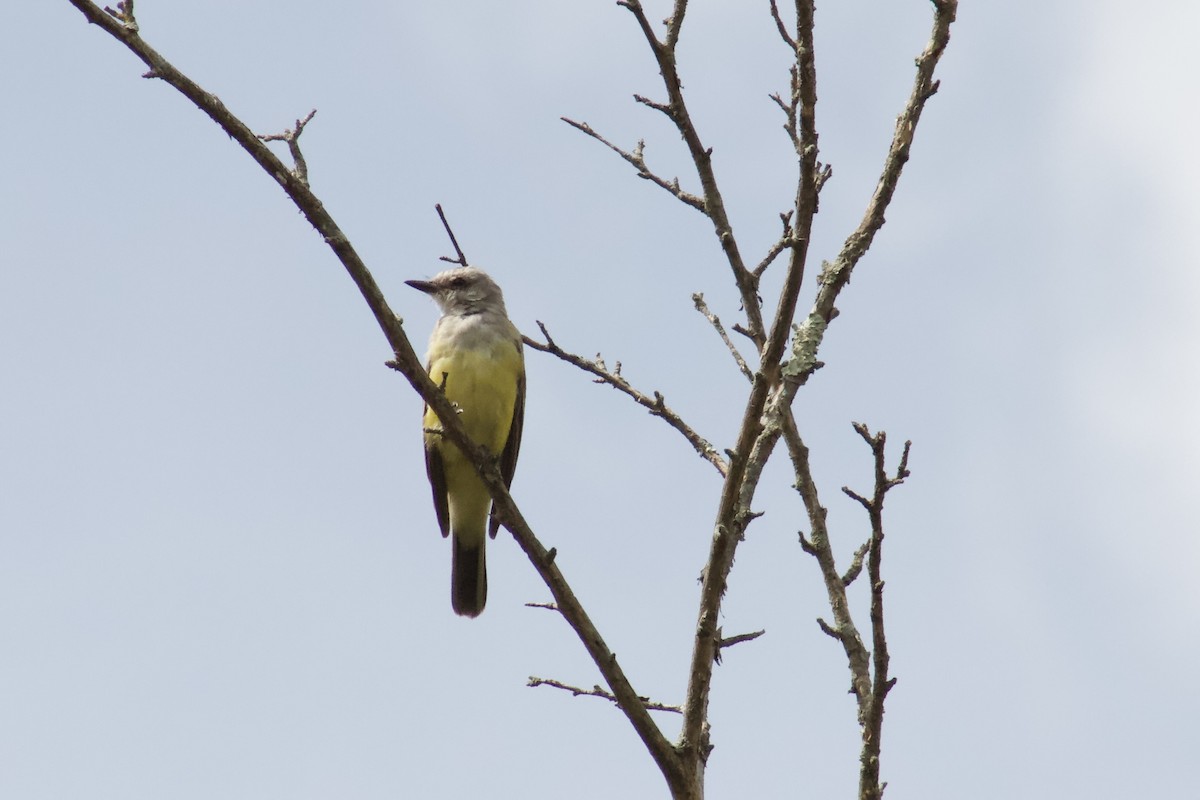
(482, 384)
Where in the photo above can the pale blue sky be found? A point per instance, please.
(220, 574)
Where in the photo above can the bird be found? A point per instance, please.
(476, 357)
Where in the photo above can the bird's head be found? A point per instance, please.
(463, 290)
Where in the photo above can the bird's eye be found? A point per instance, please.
(458, 282)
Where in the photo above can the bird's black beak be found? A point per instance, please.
(422, 286)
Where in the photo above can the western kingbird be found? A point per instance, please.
(476, 356)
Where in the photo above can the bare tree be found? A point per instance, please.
(783, 355)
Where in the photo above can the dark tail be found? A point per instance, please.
(468, 579)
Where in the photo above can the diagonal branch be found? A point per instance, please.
(729, 641)
(924, 87)
(655, 405)
(781, 27)
(460, 257)
(784, 242)
(123, 27)
(715, 321)
(638, 160)
(596, 691)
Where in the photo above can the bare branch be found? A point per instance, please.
(883, 482)
(739, 328)
(713, 202)
(596, 691)
(871, 713)
(407, 363)
(675, 23)
(856, 564)
(781, 27)
(656, 405)
(924, 87)
(759, 430)
(292, 137)
(782, 243)
(767, 414)
(702, 307)
(460, 257)
(639, 13)
(834, 276)
(755, 442)
(789, 109)
(843, 628)
(636, 158)
(902, 471)
(802, 129)
(853, 495)
(660, 107)
(723, 642)
(830, 631)
(768, 409)
(869, 669)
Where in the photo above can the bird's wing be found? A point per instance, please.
(508, 459)
(437, 482)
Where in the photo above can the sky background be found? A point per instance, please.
(220, 574)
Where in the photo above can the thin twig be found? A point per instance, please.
(856, 564)
(714, 320)
(461, 257)
(597, 691)
(638, 160)
(871, 707)
(656, 405)
(781, 27)
(662, 108)
(729, 641)
(292, 137)
(782, 243)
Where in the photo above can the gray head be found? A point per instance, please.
(462, 291)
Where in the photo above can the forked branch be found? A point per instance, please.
(869, 678)
(292, 137)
